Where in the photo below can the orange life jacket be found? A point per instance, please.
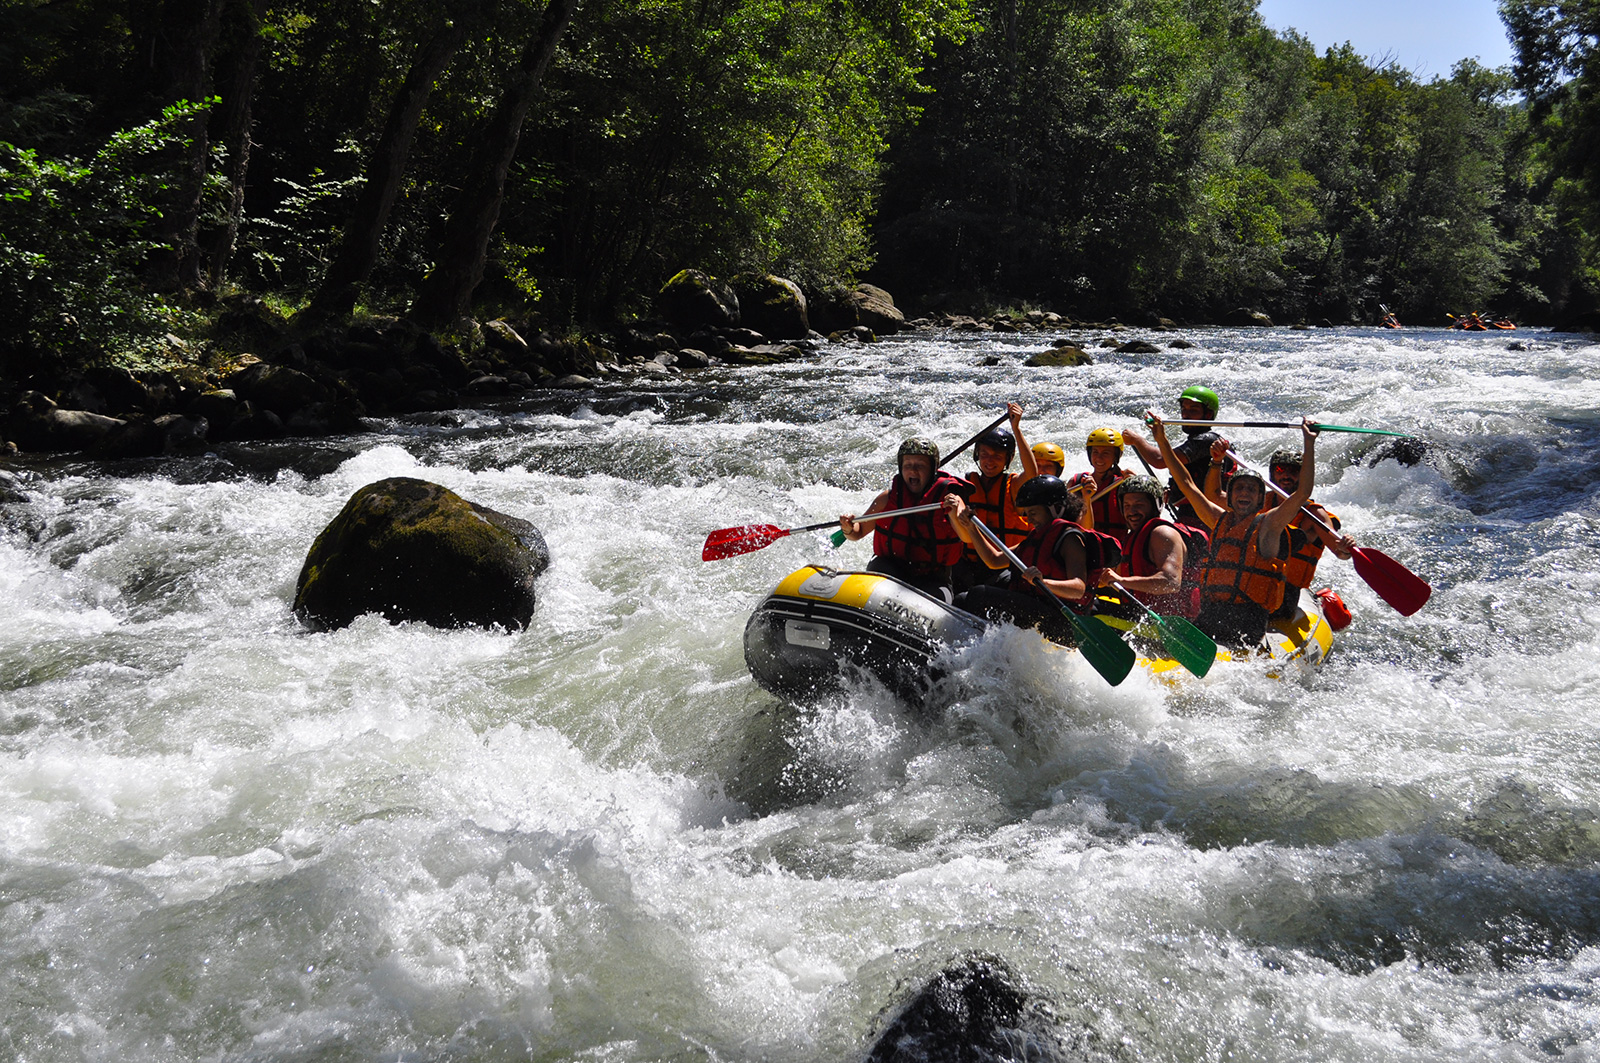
(925, 541)
(1300, 568)
(1237, 573)
(996, 506)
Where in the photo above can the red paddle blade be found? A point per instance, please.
(731, 542)
(1395, 583)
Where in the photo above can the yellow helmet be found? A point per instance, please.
(1050, 452)
(1105, 437)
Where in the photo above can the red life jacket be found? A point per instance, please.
(996, 506)
(924, 541)
(1136, 562)
(1107, 508)
(1039, 550)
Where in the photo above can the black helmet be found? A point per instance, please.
(1051, 493)
(1000, 438)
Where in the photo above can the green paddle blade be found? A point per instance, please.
(1188, 645)
(837, 538)
(1102, 648)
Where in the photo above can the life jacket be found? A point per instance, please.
(1107, 508)
(997, 508)
(1300, 568)
(1039, 550)
(1236, 572)
(1136, 562)
(924, 541)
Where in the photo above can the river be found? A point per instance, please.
(228, 838)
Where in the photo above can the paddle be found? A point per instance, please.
(1294, 424)
(748, 538)
(1395, 584)
(1188, 645)
(837, 538)
(1100, 646)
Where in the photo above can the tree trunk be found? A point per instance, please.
(363, 233)
(446, 294)
(237, 116)
(185, 44)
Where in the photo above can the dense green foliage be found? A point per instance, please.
(1096, 155)
(1182, 157)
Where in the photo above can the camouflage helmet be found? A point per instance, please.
(1142, 485)
(919, 445)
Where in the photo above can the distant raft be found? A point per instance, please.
(820, 626)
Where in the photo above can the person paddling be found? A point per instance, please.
(1197, 403)
(919, 548)
(1104, 451)
(994, 496)
(1242, 583)
(1307, 540)
(1061, 554)
(1153, 554)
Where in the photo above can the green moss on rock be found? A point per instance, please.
(413, 550)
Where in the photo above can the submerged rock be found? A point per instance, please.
(971, 1012)
(413, 550)
(1060, 356)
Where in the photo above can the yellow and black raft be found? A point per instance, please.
(820, 628)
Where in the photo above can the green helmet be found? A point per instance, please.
(1142, 485)
(1204, 396)
(918, 445)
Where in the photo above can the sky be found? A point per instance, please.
(1426, 37)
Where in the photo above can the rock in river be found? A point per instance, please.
(412, 550)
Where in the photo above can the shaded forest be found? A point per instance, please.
(559, 162)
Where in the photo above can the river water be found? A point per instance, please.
(227, 838)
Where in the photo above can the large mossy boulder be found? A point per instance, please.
(773, 306)
(694, 300)
(413, 550)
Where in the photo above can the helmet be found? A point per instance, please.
(1246, 474)
(1142, 485)
(1105, 437)
(1050, 452)
(1051, 493)
(918, 445)
(1204, 396)
(1285, 459)
(1000, 439)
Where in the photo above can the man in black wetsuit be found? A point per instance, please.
(1198, 403)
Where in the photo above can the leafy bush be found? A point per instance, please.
(72, 242)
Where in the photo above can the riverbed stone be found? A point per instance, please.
(771, 305)
(693, 299)
(1059, 357)
(412, 550)
(973, 1010)
(875, 309)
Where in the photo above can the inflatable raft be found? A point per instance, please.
(820, 626)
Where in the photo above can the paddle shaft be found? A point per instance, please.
(1288, 424)
(870, 517)
(996, 423)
